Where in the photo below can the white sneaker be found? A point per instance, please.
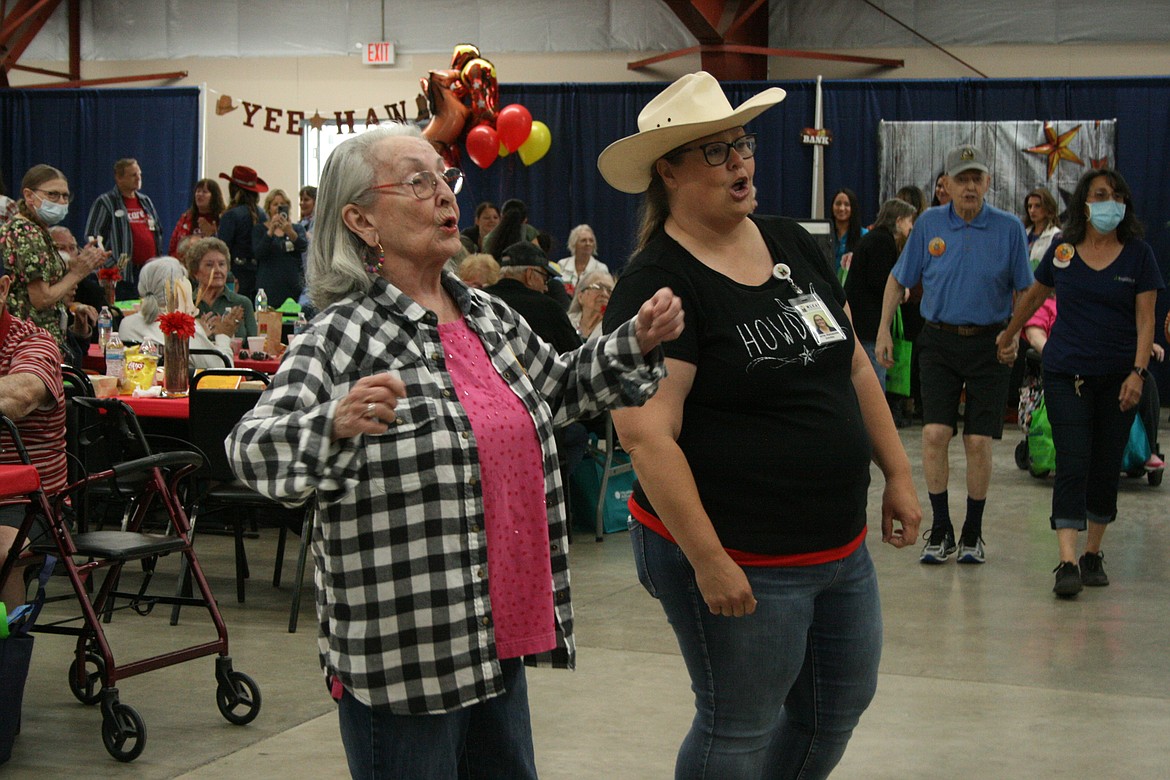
(969, 553)
(938, 550)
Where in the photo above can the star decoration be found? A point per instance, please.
(317, 122)
(1097, 164)
(806, 356)
(1056, 147)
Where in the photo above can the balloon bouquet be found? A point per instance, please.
(463, 102)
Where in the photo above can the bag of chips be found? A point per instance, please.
(139, 371)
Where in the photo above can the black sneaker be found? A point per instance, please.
(1093, 570)
(1068, 580)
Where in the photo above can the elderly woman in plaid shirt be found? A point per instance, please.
(418, 413)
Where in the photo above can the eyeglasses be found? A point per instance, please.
(605, 288)
(717, 152)
(425, 183)
(544, 273)
(53, 195)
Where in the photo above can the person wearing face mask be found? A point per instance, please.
(1095, 361)
(42, 278)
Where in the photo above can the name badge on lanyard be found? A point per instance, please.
(820, 322)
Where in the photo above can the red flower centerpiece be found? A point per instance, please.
(108, 278)
(179, 323)
(178, 327)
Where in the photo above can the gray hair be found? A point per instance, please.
(337, 257)
(593, 277)
(575, 234)
(152, 284)
(892, 211)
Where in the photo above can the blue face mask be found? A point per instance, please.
(51, 212)
(1106, 215)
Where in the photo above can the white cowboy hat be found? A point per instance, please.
(692, 107)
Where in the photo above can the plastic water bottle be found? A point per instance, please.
(105, 326)
(261, 300)
(301, 325)
(115, 357)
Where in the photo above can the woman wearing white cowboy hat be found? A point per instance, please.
(753, 458)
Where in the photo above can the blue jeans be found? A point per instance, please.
(492, 739)
(777, 693)
(1089, 432)
(870, 348)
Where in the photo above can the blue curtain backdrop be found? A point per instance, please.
(564, 189)
(83, 131)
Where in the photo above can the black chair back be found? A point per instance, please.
(213, 414)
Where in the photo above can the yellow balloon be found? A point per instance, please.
(503, 150)
(536, 147)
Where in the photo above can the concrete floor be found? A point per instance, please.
(984, 675)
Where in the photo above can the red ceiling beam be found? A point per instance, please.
(733, 40)
(18, 29)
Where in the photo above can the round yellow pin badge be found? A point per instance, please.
(936, 246)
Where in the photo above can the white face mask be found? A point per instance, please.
(51, 212)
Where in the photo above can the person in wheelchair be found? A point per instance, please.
(31, 395)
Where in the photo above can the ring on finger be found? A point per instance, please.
(371, 410)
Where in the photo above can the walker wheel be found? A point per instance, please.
(239, 702)
(91, 691)
(124, 734)
(1155, 477)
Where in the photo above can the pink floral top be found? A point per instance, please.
(519, 574)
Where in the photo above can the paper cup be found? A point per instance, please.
(256, 343)
(237, 345)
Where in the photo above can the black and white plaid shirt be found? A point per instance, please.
(399, 543)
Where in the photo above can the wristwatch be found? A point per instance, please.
(1141, 372)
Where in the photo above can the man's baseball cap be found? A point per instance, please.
(522, 254)
(965, 158)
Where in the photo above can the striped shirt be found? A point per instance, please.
(400, 548)
(27, 349)
(108, 219)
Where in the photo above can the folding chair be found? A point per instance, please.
(83, 555)
(608, 470)
(213, 414)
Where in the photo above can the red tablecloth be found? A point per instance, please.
(95, 360)
(170, 408)
(266, 366)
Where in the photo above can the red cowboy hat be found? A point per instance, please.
(246, 179)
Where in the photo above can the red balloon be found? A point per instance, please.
(483, 145)
(513, 124)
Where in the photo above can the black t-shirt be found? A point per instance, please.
(772, 429)
(544, 315)
(873, 259)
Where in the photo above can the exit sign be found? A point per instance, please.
(378, 53)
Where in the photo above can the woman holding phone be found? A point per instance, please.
(278, 245)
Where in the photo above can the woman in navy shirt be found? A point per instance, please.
(1107, 280)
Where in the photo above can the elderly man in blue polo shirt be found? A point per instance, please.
(970, 258)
